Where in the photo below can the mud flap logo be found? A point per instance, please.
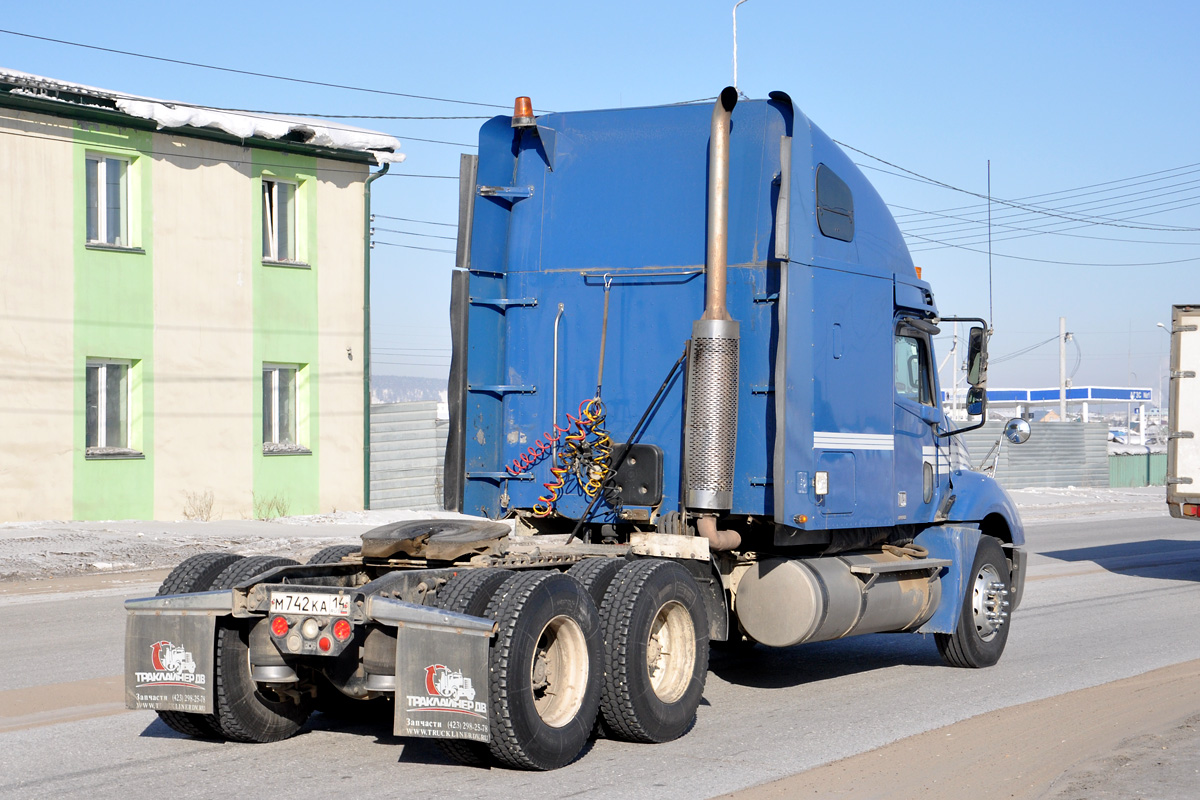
(173, 666)
(442, 682)
(447, 690)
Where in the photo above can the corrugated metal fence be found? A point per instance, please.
(408, 448)
(1137, 469)
(1057, 454)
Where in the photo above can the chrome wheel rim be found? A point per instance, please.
(989, 602)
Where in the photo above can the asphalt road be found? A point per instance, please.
(1109, 596)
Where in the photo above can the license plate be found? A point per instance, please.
(317, 603)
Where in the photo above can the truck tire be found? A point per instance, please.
(655, 650)
(595, 575)
(470, 593)
(545, 663)
(244, 711)
(194, 574)
(244, 569)
(334, 553)
(979, 639)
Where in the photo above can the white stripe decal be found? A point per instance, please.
(834, 440)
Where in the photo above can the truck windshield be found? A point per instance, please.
(912, 369)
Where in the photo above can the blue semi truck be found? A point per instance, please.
(693, 400)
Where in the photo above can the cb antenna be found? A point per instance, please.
(735, 6)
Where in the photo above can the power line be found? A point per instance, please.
(421, 221)
(1036, 232)
(1022, 351)
(1061, 263)
(1088, 205)
(943, 243)
(410, 233)
(434, 141)
(1066, 191)
(252, 73)
(341, 116)
(1018, 205)
(412, 247)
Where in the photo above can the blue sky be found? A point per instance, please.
(1057, 95)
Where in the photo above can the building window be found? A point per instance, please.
(279, 395)
(107, 200)
(279, 220)
(108, 401)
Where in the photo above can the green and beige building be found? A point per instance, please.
(183, 303)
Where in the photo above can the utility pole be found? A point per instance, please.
(1062, 369)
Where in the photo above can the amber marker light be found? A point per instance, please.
(918, 269)
(522, 113)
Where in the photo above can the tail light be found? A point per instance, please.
(342, 630)
(279, 626)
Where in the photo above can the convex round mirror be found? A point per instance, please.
(1016, 431)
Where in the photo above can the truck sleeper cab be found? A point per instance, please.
(693, 399)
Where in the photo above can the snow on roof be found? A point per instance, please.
(244, 124)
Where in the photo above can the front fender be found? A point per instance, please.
(977, 496)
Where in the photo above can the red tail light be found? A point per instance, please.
(279, 626)
(341, 630)
(325, 644)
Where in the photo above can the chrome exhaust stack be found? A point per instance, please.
(710, 424)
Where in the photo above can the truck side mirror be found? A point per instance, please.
(976, 400)
(977, 358)
(1016, 430)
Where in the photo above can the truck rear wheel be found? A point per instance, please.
(470, 593)
(596, 574)
(245, 711)
(194, 574)
(983, 625)
(656, 651)
(545, 664)
(334, 553)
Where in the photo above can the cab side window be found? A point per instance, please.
(912, 369)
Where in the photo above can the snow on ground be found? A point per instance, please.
(40, 550)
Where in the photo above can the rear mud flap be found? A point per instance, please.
(169, 651)
(441, 670)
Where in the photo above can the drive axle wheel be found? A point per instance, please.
(246, 711)
(545, 664)
(656, 651)
(470, 593)
(194, 574)
(334, 553)
(983, 623)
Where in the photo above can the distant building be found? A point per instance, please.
(181, 307)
